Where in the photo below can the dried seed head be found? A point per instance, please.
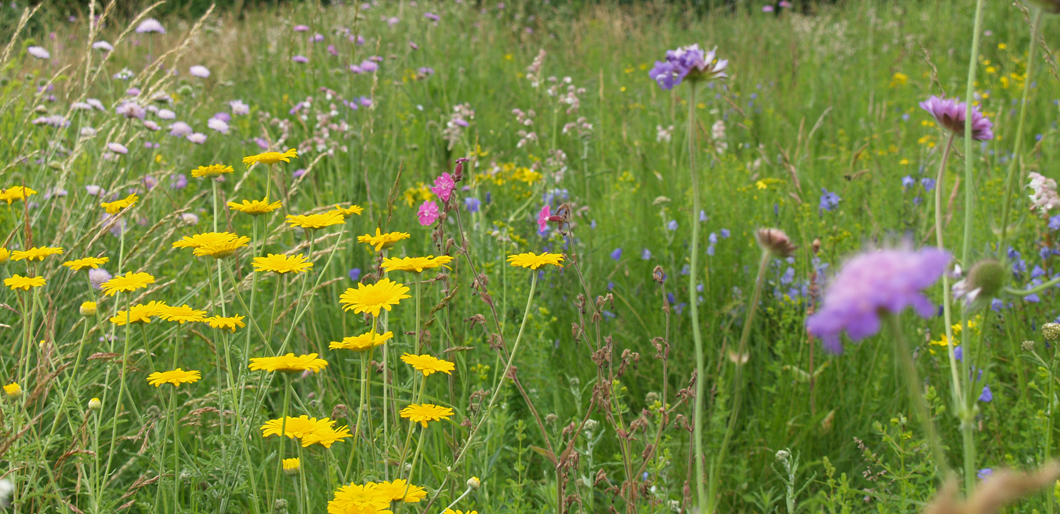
(658, 275)
(776, 242)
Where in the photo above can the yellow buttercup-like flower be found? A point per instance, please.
(312, 221)
(13, 390)
(422, 413)
(204, 239)
(16, 193)
(295, 428)
(360, 499)
(222, 322)
(140, 313)
(427, 364)
(362, 342)
(128, 283)
(119, 205)
(255, 207)
(348, 211)
(534, 261)
(87, 262)
(212, 170)
(325, 435)
(289, 363)
(35, 253)
(282, 263)
(24, 283)
(451, 511)
(5, 255)
(271, 157)
(182, 314)
(221, 249)
(382, 295)
(175, 377)
(401, 491)
(380, 241)
(415, 264)
(88, 309)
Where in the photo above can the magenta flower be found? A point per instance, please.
(199, 71)
(443, 186)
(369, 66)
(950, 112)
(542, 218)
(687, 62)
(874, 283)
(301, 28)
(428, 213)
(332, 50)
(316, 38)
(300, 58)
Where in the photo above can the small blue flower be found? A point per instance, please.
(984, 473)
(710, 250)
(725, 233)
(907, 182)
(645, 254)
(610, 286)
(355, 274)
(1054, 222)
(986, 396)
(672, 225)
(670, 298)
(996, 305)
(489, 197)
(472, 203)
(712, 238)
(829, 200)
(617, 254)
(685, 269)
(958, 353)
(702, 216)
(928, 183)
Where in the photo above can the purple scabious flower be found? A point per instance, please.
(687, 62)
(197, 138)
(38, 52)
(301, 28)
(239, 108)
(431, 16)
(885, 281)
(199, 71)
(950, 113)
(645, 254)
(180, 129)
(300, 58)
(150, 25)
(97, 277)
(178, 181)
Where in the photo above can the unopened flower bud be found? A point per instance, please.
(984, 281)
(776, 242)
(474, 483)
(1028, 346)
(291, 466)
(95, 404)
(88, 309)
(783, 455)
(1051, 331)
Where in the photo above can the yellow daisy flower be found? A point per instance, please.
(359, 499)
(282, 264)
(289, 363)
(88, 309)
(212, 170)
(396, 490)
(325, 435)
(308, 221)
(291, 466)
(255, 207)
(221, 249)
(16, 193)
(381, 295)
(230, 322)
(301, 427)
(422, 413)
(380, 241)
(87, 262)
(204, 239)
(182, 314)
(5, 255)
(427, 364)
(13, 390)
(348, 211)
(362, 342)
(24, 283)
(118, 205)
(38, 253)
(140, 313)
(175, 377)
(271, 157)
(415, 264)
(451, 511)
(128, 283)
(534, 261)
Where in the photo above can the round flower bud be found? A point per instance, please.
(776, 242)
(5, 255)
(291, 466)
(88, 309)
(473, 483)
(1028, 346)
(1049, 6)
(984, 281)
(95, 404)
(13, 390)
(1051, 331)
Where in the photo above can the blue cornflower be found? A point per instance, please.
(829, 200)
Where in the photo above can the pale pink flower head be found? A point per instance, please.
(38, 52)
(443, 186)
(300, 59)
(197, 138)
(117, 148)
(199, 71)
(301, 28)
(542, 218)
(428, 213)
(103, 46)
(150, 25)
(1043, 196)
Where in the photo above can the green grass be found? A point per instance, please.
(821, 101)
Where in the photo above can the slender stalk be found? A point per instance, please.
(1010, 182)
(121, 388)
(175, 423)
(283, 433)
(301, 476)
(947, 303)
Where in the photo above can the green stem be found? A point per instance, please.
(121, 389)
(175, 423)
(1018, 149)
(697, 337)
(947, 303)
(283, 433)
(301, 476)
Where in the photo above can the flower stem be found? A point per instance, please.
(283, 433)
(947, 307)
(175, 423)
(912, 380)
(1017, 150)
(969, 162)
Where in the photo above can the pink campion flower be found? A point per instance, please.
(197, 138)
(443, 186)
(199, 71)
(117, 148)
(950, 113)
(542, 218)
(875, 283)
(150, 25)
(428, 213)
(38, 52)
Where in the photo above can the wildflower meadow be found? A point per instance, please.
(459, 257)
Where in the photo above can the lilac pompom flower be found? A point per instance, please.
(199, 71)
(950, 113)
(150, 25)
(38, 52)
(872, 284)
(300, 59)
(687, 62)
